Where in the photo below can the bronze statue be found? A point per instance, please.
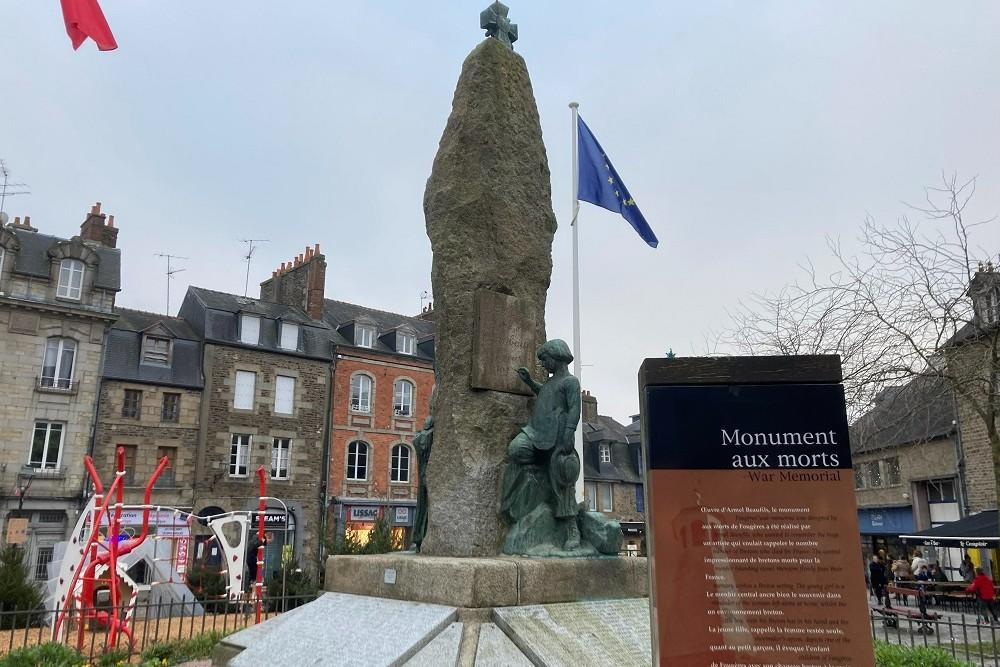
(543, 464)
(422, 442)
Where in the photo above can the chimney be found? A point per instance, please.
(589, 407)
(99, 228)
(299, 283)
(24, 226)
(427, 312)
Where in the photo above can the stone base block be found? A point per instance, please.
(487, 582)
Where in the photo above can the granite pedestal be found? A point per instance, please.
(404, 609)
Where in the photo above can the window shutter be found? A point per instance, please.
(249, 329)
(289, 336)
(245, 385)
(284, 395)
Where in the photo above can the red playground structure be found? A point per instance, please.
(93, 560)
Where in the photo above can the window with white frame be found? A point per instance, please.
(243, 394)
(70, 279)
(874, 474)
(606, 496)
(46, 446)
(991, 308)
(250, 329)
(239, 455)
(402, 401)
(892, 473)
(364, 335)
(590, 495)
(399, 470)
(280, 451)
(357, 461)
(57, 366)
(859, 477)
(406, 343)
(289, 339)
(284, 395)
(605, 453)
(361, 393)
(156, 350)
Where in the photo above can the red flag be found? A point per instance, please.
(84, 19)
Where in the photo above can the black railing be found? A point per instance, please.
(152, 623)
(960, 634)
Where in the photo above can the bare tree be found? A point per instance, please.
(915, 301)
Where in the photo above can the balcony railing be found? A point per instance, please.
(55, 385)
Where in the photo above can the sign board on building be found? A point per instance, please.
(181, 557)
(364, 513)
(276, 520)
(401, 516)
(752, 515)
(17, 530)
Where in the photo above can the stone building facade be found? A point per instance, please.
(56, 303)
(383, 382)
(613, 473)
(267, 376)
(150, 405)
(906, 457)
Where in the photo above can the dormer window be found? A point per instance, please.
(70, 279)
(364, 335)
(250, 329)
(605, 453)
(156, 351)
(406, 343)
(289, 338)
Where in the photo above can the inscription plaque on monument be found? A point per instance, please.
(503, 339)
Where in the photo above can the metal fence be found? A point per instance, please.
(960, 635)
(152, 623)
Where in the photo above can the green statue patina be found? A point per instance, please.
(543, 464)
(422, 441)
(494, 21)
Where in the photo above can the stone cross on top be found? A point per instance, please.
(494, 21)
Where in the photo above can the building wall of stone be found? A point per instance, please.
(925, 461)
(148, 433)
(623, 498)
(380, 428)
(214, 484)
(24, 332)
(980, 478)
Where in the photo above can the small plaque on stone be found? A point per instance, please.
(503, 340)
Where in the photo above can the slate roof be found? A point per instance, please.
(624, 465)
(122, 354)
(919, 411)
(33, 258)
(339, 313)
(215, 315)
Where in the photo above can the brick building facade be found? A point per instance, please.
(383, 381)
(56, 301)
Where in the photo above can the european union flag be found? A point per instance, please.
(600, 184)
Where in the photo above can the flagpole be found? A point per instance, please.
(577, 353)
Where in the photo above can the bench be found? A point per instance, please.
(891, 616)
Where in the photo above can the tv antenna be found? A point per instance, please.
(8, 189)
(424, 296)
(249, 256)
(170, 273)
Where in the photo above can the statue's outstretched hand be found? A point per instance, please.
(524, 374)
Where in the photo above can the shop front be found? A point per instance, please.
(976, 535)
(881, 527)
(279, 539)
(360, 521)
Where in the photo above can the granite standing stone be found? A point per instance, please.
(488, 208)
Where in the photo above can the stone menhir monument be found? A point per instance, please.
(498, 455)
(488, 207)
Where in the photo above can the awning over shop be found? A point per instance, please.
(979, 531)
(634, 528)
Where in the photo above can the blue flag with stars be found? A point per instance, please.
(600, 184)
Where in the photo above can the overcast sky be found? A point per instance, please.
(746, 131)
